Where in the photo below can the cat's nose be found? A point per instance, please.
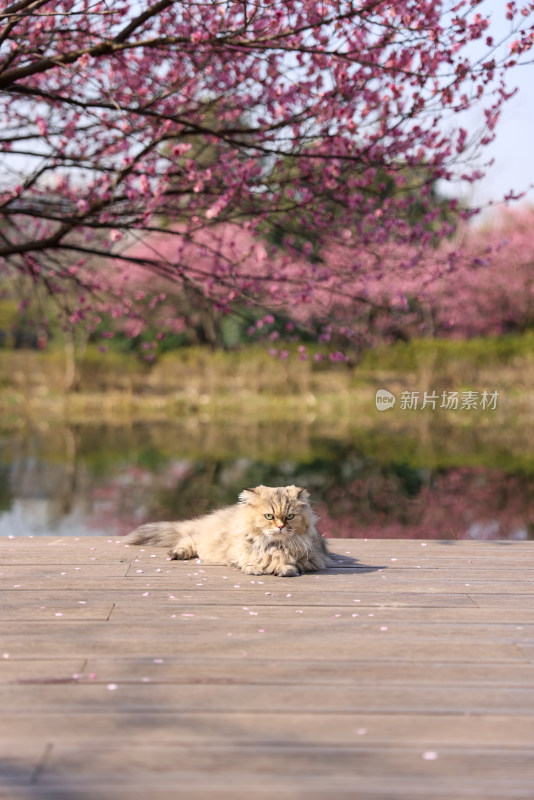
(280, 526)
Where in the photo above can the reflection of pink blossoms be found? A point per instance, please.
(461, 503)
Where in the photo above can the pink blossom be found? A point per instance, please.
(82, 206)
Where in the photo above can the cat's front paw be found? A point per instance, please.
(250, 569)
(181, 553)
(287, 571)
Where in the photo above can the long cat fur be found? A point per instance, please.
(240, 535)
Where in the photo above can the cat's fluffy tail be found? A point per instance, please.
(165, 534)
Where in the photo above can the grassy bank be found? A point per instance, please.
(196, 384)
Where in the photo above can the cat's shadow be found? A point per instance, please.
(348, 565)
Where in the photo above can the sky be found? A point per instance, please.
(513, 149)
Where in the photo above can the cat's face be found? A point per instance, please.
(277, 512)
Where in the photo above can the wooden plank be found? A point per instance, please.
(71, 640)
(251, 672)
(135, 607)
(309, 673)
(314, 594)
(109, 727)
(244, 594)
(341, 583)
(367, 698)
(277, 768)
(323, 624)
(429, 620)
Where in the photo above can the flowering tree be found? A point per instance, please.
(495, 293)
(122, 118)
(481, 283)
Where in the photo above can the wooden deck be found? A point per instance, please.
(406, 673)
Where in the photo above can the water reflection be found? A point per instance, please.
(104, 481)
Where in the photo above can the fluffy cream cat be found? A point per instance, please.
(269, 531)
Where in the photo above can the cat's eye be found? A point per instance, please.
(290, 516)
(269, 516)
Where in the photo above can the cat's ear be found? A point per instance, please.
(301, 493)
(246, 495)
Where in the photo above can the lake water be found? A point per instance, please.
(95, 480)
